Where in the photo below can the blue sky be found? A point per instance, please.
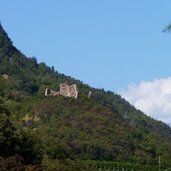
(105, 43)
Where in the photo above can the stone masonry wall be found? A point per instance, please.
(65, 90)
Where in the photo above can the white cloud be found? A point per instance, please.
(152, 97)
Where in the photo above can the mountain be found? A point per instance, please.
(103, 126)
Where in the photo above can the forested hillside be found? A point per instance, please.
(59, 131)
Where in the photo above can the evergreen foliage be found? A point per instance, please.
(56, 132)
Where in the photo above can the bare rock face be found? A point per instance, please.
(65, 90)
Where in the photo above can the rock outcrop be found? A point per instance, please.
(5, 76)
(65, 90)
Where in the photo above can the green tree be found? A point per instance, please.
(15, 141)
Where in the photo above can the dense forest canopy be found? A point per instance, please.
(60, 131)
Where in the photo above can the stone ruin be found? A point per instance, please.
(65, 90)
(50, 92)
(89, 94)
(68, 91)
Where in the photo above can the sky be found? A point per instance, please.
(117, 45)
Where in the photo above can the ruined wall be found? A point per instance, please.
(50, 92)
(68, 91)
(73, 91)
(89, 94)
(65, 90)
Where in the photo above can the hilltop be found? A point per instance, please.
(102, 127)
